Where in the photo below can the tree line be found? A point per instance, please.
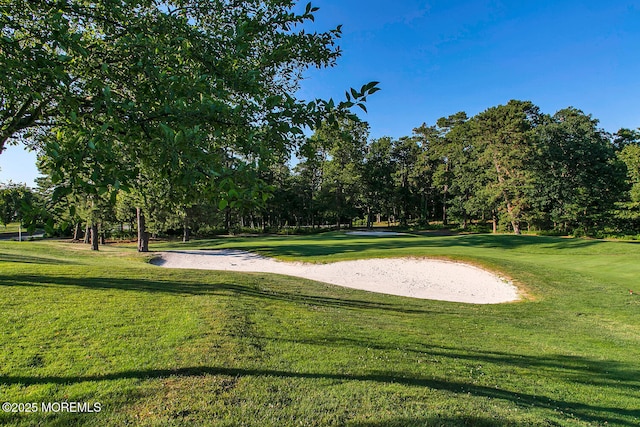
(509, 168)
(181, 116)
(157, 105)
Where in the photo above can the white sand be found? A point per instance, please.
(375, 233)
(411, 277)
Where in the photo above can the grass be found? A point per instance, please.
(12, 227)
(185, 347)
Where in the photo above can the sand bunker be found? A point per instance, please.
(411, 277)
(375, 233)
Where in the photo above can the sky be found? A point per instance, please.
(435, 58)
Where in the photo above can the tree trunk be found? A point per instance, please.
(494, 220)
(87, 234)
(516, 227)
(426, 208)
(143, 235)
(94, 237)
(186, 233)
(227, 220)
(515, 223)
(444, 205)
(77, 231)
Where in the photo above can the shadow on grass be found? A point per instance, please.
(30, 259)
(444, 421)
(575, 369)
(190, 288)
(578, 410)
(310, 246)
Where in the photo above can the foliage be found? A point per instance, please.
(579, 175)
(20, 204)
(183, 95)
(629, 210)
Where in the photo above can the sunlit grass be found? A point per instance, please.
(12, 227)
(182, 347)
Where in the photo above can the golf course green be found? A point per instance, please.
(106, 338)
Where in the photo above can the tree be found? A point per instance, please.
(628, 208)
(308, 179)
(167, 87)
(377, 175)
(505, 137)
(625, 137)
(468, 178)
(578, 175)
(404, 154)
(447, 149)
(39, 48)
(340, 147)
(15, 200)
(18, 203)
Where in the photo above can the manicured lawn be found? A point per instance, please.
(12, 227)
(160, 347)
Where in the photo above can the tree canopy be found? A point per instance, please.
(184, 94)
(183, 114)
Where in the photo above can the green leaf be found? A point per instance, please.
(371, 85)
(223, 204)
(168, 132)
(60, 192)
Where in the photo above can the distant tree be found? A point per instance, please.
(18, 203)
(441, 148)
(15, 201)
(307, 180)
(505, 137)
(628, 209)
(422, 175)
(405, 154)
(625, 137)
(377, 177)
(579, 176)
(341, 146)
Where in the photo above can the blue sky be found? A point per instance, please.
(435, 58)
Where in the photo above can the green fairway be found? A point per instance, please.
(12, 227)
(167, 347)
